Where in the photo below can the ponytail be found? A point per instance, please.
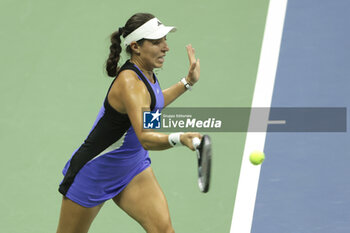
(114, 55)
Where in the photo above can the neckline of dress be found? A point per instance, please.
(154, 77)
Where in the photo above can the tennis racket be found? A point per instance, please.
(204, 154)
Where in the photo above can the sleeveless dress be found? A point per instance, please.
(111, 156)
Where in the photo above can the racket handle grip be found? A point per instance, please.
(196, 142)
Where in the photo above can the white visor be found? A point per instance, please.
(153, 29)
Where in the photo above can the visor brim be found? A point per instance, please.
(160, 33)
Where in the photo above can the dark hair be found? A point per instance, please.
(134, 22)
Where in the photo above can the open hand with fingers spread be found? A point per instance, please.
(194, 71)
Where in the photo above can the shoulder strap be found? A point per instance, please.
(130, 66)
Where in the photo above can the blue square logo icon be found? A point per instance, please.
(151, 119)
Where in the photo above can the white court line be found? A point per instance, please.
(275, 122)
(249, 175)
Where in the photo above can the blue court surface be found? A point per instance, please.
(304, 184)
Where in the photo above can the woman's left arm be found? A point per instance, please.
(171, 93)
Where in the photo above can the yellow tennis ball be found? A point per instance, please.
(257, 157)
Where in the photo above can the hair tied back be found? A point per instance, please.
(121, 31)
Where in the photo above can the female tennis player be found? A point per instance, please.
(113, 162)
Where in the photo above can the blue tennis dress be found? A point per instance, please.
(111, 156)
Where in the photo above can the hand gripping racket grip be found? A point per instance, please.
(196, 142)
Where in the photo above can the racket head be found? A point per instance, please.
(204, 155)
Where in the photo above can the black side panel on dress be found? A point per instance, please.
(109, 129)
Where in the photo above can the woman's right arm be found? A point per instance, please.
(129, 95)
